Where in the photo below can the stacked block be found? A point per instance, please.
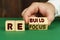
(38, 23)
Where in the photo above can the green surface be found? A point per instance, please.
(53, 33)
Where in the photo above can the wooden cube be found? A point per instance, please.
(33, 27)
(43, 20)
(10, 25)
(20, 25)
(38, 23)
(33, 20)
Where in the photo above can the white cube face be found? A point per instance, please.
(20, 25)
(10, 25)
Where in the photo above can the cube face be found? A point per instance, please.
(10, 25)
(38, 27)
(33, 20)
(20, 25)
(43, 20)
(38, 23)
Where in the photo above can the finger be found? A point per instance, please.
(50, 17)
(24, 11)
(29, 12)
(32, 9)
(26, 18)
(42, 9)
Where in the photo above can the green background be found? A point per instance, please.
(53, 33)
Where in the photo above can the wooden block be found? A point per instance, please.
(20, 25)
(33, 20)
(38, 23)
(33, 27)
(10, 25)
(43, 20)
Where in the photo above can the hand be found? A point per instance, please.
(46, 9)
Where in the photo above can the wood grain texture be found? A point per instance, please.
(13, 8)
